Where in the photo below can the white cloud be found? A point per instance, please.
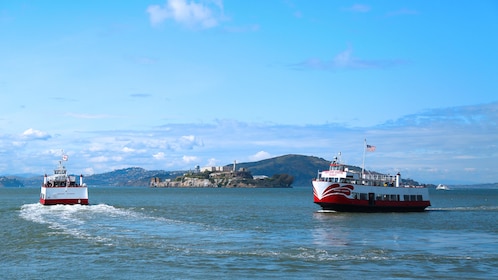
(212, 162)
(117, 158)
(188, 13)
(190, 159)
(159, 156)
(188, 142)
(33, 134)
(260, 156)
(88, 171)
(128, 150)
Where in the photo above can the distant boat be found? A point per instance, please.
(342, 188)
(61, 188)
(442, 187)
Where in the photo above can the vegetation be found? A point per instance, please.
(227, 179)
(302, 168)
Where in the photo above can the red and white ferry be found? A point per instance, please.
(61, 188)
(344, 188)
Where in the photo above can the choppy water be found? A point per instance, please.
(143, 233)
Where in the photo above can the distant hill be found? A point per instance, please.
(10, 182)
(133, 176)
(302, 168)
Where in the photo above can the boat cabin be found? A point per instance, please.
(340, 173)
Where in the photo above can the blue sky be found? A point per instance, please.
(172, 84)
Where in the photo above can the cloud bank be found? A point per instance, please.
(450, 145)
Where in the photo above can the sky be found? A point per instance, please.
(172, 84)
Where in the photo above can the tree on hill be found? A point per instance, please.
(302, 168)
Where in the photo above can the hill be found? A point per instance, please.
(302, 168)
(10, 182)
(133, 176)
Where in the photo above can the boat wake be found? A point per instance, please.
(466, 208)
(105, 224)
(326, 211)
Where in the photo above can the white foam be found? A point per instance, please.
(106, 224)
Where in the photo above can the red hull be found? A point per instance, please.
(63, 201)
(344, 204)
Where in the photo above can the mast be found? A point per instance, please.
(364, 152)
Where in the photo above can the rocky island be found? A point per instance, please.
(223, 177)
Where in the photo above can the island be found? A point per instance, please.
(223, 177)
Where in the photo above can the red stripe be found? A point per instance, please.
(63, 201)
(342, 200)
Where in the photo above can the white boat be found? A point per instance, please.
(61, 188)
(442, 187)
(344, 188)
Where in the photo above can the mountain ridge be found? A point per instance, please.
(302, 167)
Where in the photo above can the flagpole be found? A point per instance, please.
(364, 152)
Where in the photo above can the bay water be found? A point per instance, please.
(196, 233)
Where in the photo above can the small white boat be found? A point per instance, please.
(442, 187)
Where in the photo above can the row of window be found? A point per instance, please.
(388, 197)
(353, 181)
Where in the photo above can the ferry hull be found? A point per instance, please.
(362, 206)
(62, 195)
(64, 201)
(348, 198)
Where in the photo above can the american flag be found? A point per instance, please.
(370, 148)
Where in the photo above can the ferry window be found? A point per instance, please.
(406, 197)
(419, 197)
(363, 196)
